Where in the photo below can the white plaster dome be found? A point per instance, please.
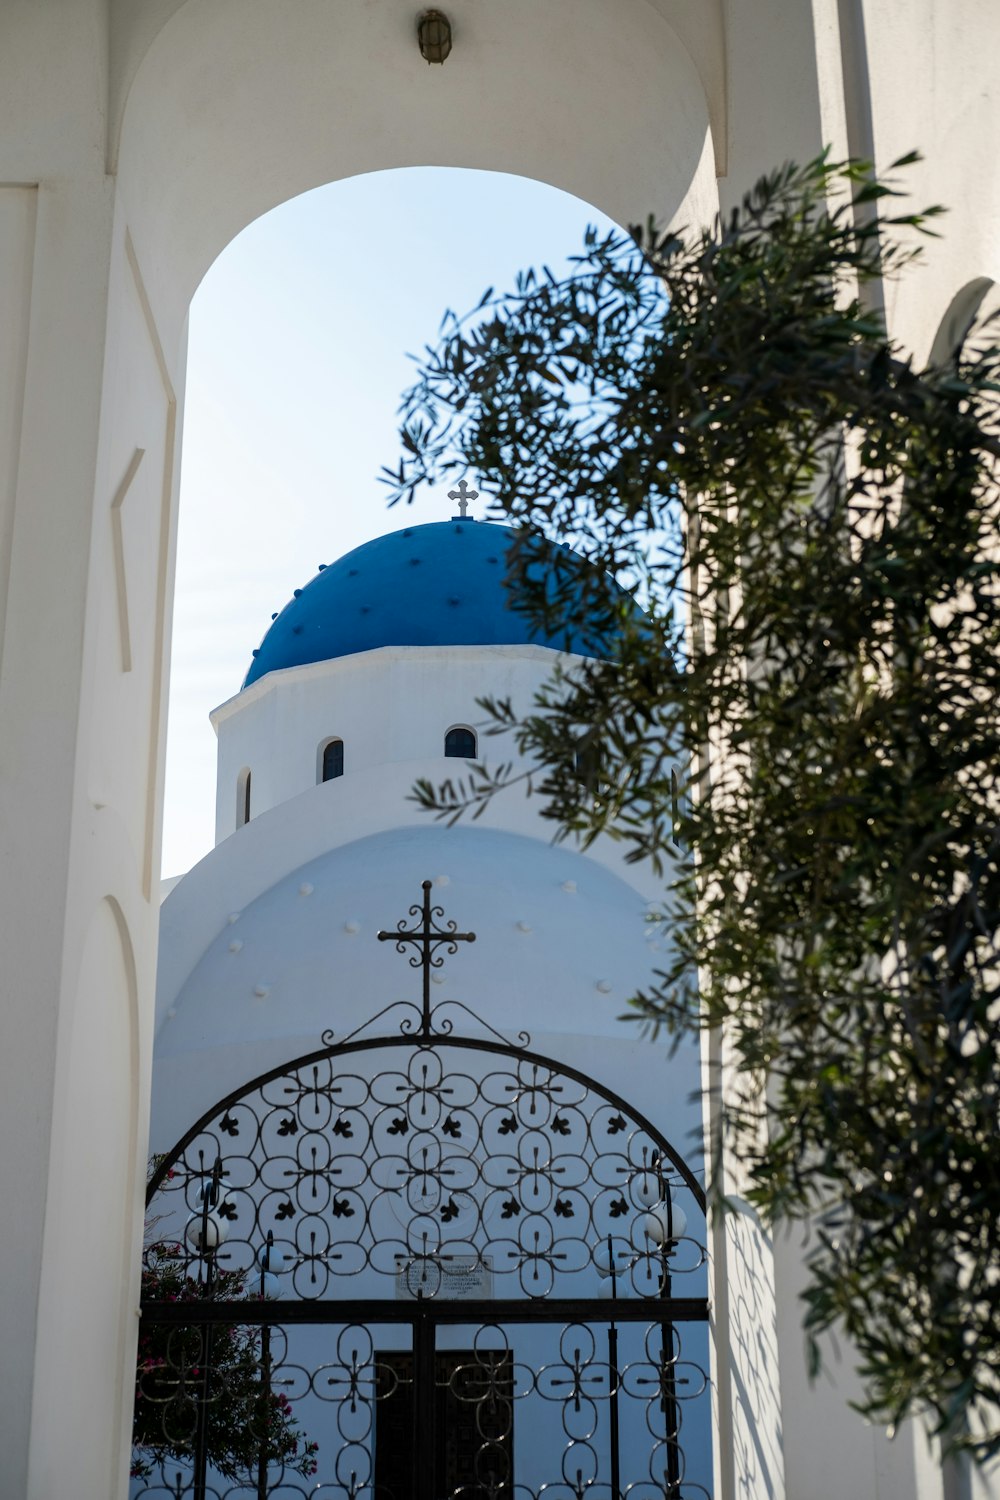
(561, 944)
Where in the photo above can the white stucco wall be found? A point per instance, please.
(562, 943)
(390, 705)
(136, 138)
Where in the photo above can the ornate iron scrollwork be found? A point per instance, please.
(393, 1193)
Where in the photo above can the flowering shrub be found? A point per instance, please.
(246, 1422)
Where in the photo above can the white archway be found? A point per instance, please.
(233, 106)
(238, 106)
(973, 301)
(139, 137)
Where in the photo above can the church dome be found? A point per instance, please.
(441, 584)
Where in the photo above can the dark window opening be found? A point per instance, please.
(243, 799)
(460, 744)
(333, 760)
(588, 762)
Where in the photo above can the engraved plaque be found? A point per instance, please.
(460, 1278)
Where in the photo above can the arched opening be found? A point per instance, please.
(588, 762)
(424, 1236)
(235, 106)
(217, 118)
(331, 760)
(243, 797)
(277, 418)
(968, 304)
(274, 78)
(460, 743)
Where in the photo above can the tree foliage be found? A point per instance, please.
(246, 1421)
(799, 729)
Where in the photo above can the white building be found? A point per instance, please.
(367, 680)
(138, 138)
(269, 954)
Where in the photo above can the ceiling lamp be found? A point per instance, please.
(434, 36)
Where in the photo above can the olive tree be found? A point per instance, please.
(791, 539)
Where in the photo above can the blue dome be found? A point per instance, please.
(435, 585)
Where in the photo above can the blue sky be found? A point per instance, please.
(298, 354)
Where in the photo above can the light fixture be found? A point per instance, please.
(434, 36)
(612, 1258)
(272, 1261)
(205, 1232)
(665, 1224)
(646, 1189)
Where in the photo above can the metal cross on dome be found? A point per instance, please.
(427, 939)
(463, 495)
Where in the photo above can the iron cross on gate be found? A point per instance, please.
(427, 939)
(463, 495)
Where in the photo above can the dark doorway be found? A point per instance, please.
(473, 1423)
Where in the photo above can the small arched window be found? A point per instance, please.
(588, 762)
(333, 760)
(460, 744)
(243, 797)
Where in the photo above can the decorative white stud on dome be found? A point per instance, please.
(235, 945)
(569, 886)
(442, 880)
(262, 991)
(305, 889)
(523, 926)
(234, 916)
(604, 986)
(352, 926)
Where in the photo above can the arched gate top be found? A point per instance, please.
(425, 1158)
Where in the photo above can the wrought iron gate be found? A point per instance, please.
(422, 1264)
